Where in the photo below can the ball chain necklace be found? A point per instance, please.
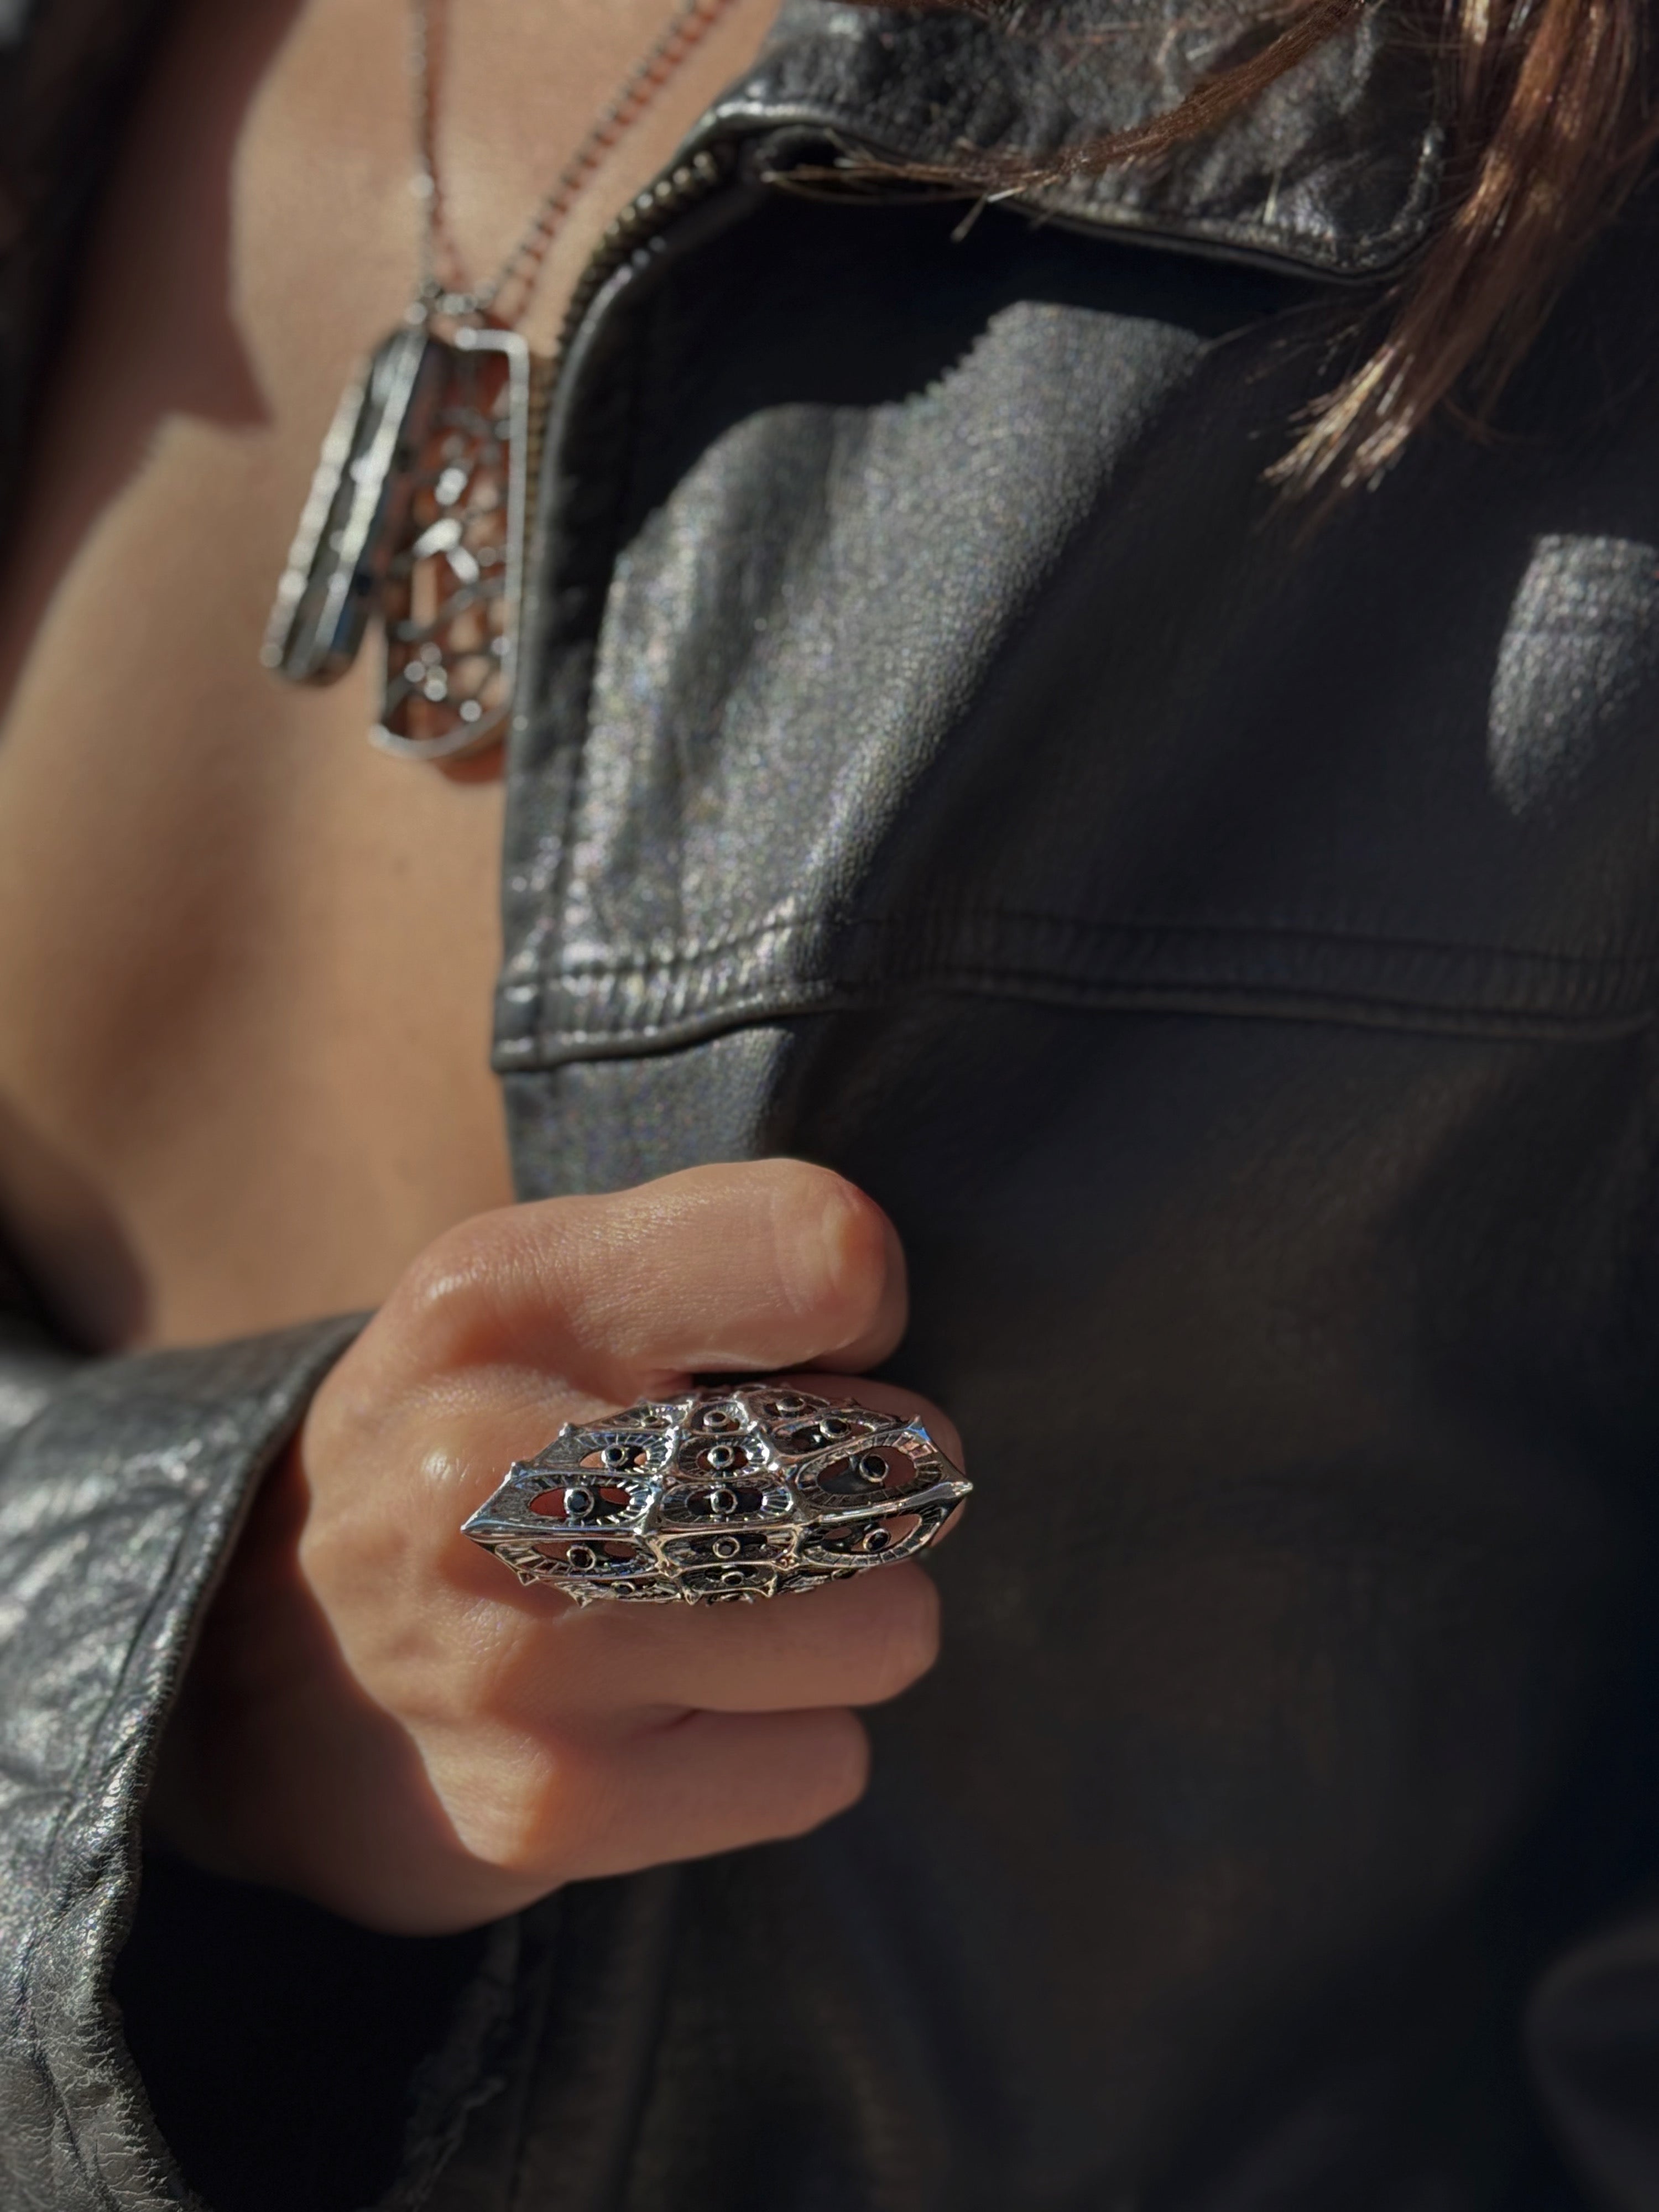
(418, 510)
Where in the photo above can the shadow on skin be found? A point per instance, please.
(95, 1290)
(209, 68)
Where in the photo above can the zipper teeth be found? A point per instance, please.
(673, 192)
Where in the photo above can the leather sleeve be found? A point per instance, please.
(123, 1482)
(1592, 2039)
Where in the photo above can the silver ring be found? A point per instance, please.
(720, 1497)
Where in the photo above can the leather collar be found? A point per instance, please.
(1334, 172)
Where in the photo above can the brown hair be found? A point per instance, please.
(1549, 131)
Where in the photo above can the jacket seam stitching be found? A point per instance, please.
(701, 952)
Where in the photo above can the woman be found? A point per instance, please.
(1012, 780)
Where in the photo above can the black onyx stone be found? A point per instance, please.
(615, 1455)
(722, 1501)
(814, 1435)
(727, 1547)
(873, 1468)
(723, 1456)
(876, 1541)
(579, 1504)
(583, 1557)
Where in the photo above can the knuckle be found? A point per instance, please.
(538, 1804)
(376, 1548)
(449, 1297)
(831, 1246)
(512, 1814)
(834, 1774)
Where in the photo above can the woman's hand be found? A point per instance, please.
(382, 1719)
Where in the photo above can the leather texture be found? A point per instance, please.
(1337, 169)
(1229, 953)
(119, 1500)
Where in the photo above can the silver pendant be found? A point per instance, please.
(416, 515)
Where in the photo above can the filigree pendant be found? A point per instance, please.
(418, 515)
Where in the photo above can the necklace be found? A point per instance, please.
(419, 509)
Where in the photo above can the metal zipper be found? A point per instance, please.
(674, 192)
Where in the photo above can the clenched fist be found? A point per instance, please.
(381, 1719)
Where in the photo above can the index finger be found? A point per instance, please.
(743, 1268)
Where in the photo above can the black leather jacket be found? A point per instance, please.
(1230, 955)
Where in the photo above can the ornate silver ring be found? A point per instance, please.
(720, 1497)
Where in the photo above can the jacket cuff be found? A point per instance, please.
(120, 1499)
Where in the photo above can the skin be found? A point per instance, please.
(245, 975)
(246, 962)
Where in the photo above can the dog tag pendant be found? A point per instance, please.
(416, 515)
(453, 590)
(353, 515)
